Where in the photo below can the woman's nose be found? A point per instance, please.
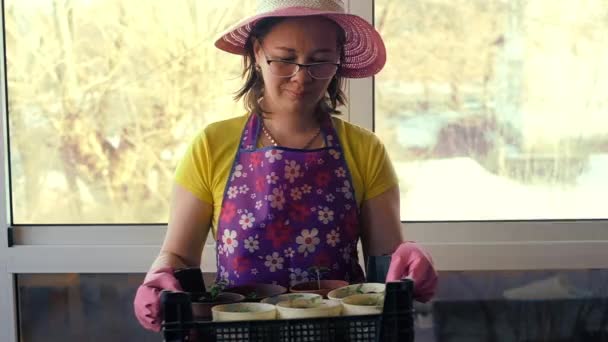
(302, 76)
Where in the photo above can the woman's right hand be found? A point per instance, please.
(147, 300)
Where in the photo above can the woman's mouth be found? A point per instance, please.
(295, 94)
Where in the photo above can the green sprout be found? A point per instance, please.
(217, 288)
(359, 289)
(318, 270)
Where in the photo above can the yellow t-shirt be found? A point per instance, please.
(205, 167)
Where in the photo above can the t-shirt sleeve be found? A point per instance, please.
(194, 169)
(379, 174)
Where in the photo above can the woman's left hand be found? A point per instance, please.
(410, 260)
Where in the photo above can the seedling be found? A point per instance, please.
(215, 290)
(318, 270)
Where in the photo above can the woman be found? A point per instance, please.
(288, 187)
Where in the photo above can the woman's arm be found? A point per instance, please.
(381, 224)
(189, 222)
(381, 235)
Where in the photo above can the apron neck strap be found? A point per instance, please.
(253, 128)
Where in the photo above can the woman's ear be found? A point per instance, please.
(258, 53)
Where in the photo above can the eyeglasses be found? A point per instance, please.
(285, 69)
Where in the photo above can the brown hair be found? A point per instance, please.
(253, 89)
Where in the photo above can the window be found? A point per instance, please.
(103, 98)
(495, 110)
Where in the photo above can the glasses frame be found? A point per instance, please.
(299, 67)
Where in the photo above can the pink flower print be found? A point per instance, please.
(330, 198)
(259, 184)
(276, 198)
(292, 170)
(232, 192)
(258, 205)
(255, 159)
(308, 241)
(278, 232)
(299, 212)
(322, 260)
(333, 238)
(334, 154)
(252, 244)
(340, 172)
(326, 215)
(243, 189)
(319, 191)
(241, 264)
(289, 252)
(311, 158)
(296, 194)
(254, 271)
(273, 155)
(272, 178)
(230, 242)
(274, 262)
(246, 221)
(228, 212)
(322, 179)
(298, 276)
(306, 188)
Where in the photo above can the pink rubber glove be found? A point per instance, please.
(410, 260)
(147, 299)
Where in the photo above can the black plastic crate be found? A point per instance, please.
(352, 328)
(394, 324)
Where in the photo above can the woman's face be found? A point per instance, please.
(301, 40)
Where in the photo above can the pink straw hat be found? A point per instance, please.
(364, 49)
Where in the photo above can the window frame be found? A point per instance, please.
(480, 245)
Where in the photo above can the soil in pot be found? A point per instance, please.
(257, 292)
(321, 287)
(201, 306)
(291, 297)
(354, 289)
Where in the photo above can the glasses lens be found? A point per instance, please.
(283, 69)
(323, 70)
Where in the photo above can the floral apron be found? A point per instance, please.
(286, 211)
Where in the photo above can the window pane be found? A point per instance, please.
(73, 307)
(81, 307)
(495, 109)
(517, 306)
(104, 96)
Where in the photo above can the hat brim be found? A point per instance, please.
(364, 50)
